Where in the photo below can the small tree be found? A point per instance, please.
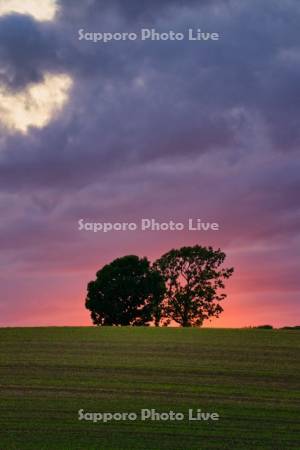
(193, 279)
(125, 292)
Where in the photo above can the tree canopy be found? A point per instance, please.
(125, 292)
(193, 280)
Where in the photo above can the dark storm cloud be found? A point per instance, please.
(130, 10)
(135, 103)
(190, 95)
(26, 49)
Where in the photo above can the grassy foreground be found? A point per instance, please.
(249, 377)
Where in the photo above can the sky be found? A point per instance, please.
(127, 130)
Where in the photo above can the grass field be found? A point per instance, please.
(249, 377)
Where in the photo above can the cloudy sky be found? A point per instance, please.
(171, 130)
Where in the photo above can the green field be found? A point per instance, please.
(249, 377)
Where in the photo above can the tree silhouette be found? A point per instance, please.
(126, 292)
(193, 280)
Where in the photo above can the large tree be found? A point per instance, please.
(126, 292)
(193, 280)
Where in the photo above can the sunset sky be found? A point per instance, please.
(127, 130)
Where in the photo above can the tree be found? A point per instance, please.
(158, 290)
(126, 292)
(193, 280)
